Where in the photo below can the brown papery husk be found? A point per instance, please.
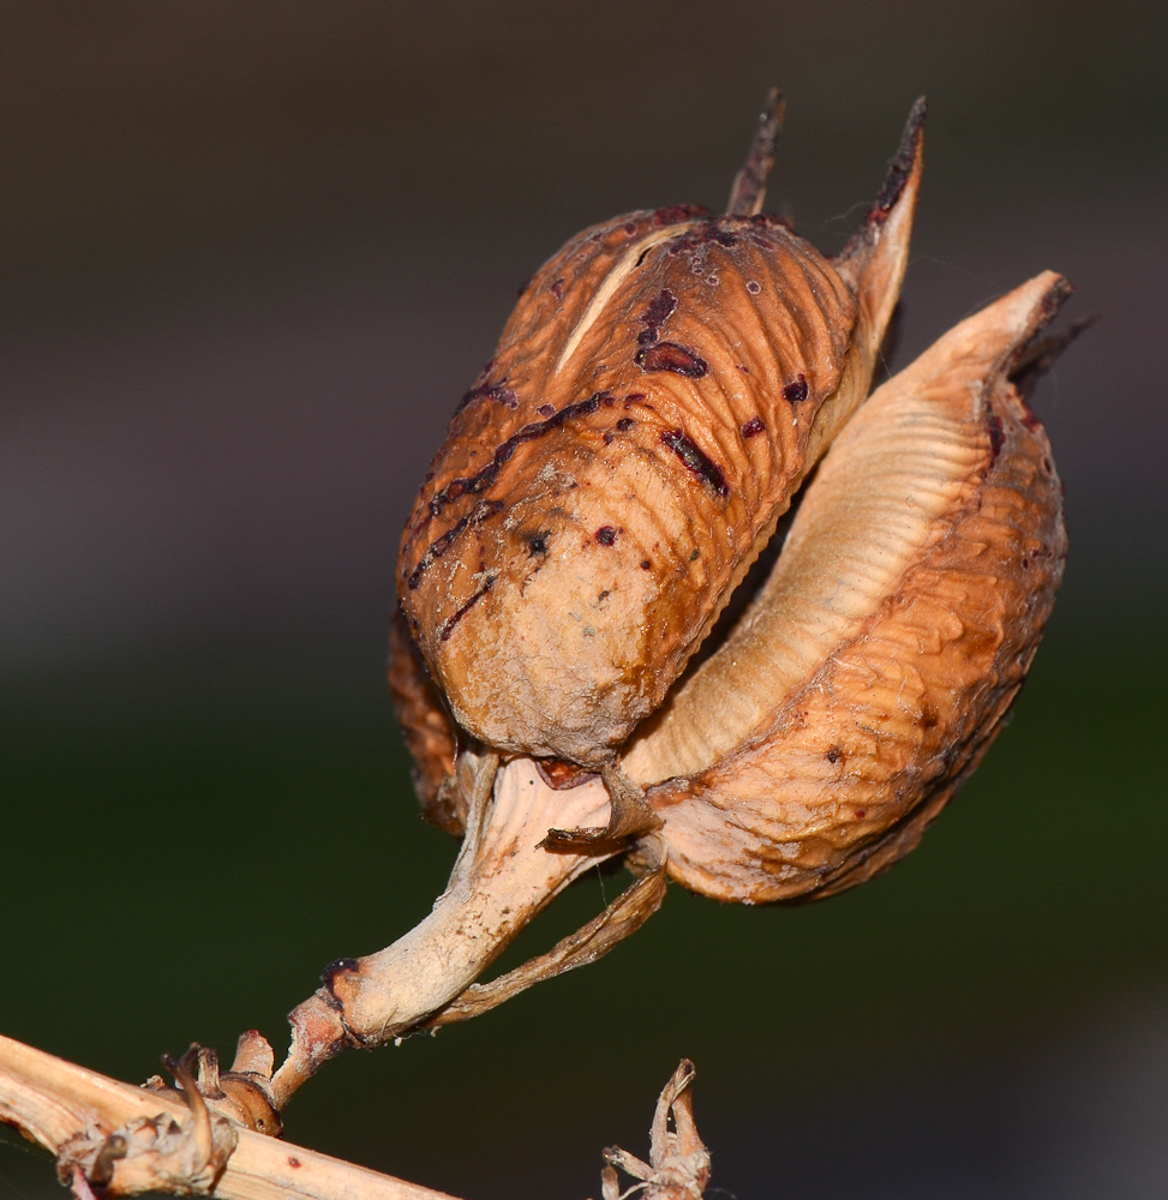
(661, 390)
(822, 738)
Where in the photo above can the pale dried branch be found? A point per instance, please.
(128, 1140)
(623, 917)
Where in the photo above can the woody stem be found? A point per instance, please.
(502, 878)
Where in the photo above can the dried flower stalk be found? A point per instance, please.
(502, 878)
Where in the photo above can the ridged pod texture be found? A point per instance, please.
(874, 669)
(615, 469)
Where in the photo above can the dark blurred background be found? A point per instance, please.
(252, 253)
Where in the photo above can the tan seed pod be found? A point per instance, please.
(558, 574)
(813, 746)
(664, 385)
(872, 671)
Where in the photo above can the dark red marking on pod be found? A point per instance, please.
(753, 427)
(482, 511)
(448, 625)
(696, 461)
(498, 392)
(796, 392)
(708, 231)
(675, 213)
(483, 479)
(669, 356)
(658, 311)
(997, 434)
(606, 535)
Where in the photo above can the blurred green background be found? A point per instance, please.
(252, 254)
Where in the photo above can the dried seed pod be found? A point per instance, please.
(663, 387)
(557, 575)
(872, 671)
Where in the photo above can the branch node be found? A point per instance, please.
(153, 1154)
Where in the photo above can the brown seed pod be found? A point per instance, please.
(661, 390)
(871, 673)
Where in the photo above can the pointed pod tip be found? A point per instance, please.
(1030, 307)
(1010, 333)
(749, 189)
(1038, 351)
(775, 106)
(904, 165)
(873, 261)
(1058, 292)
(893, 207)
